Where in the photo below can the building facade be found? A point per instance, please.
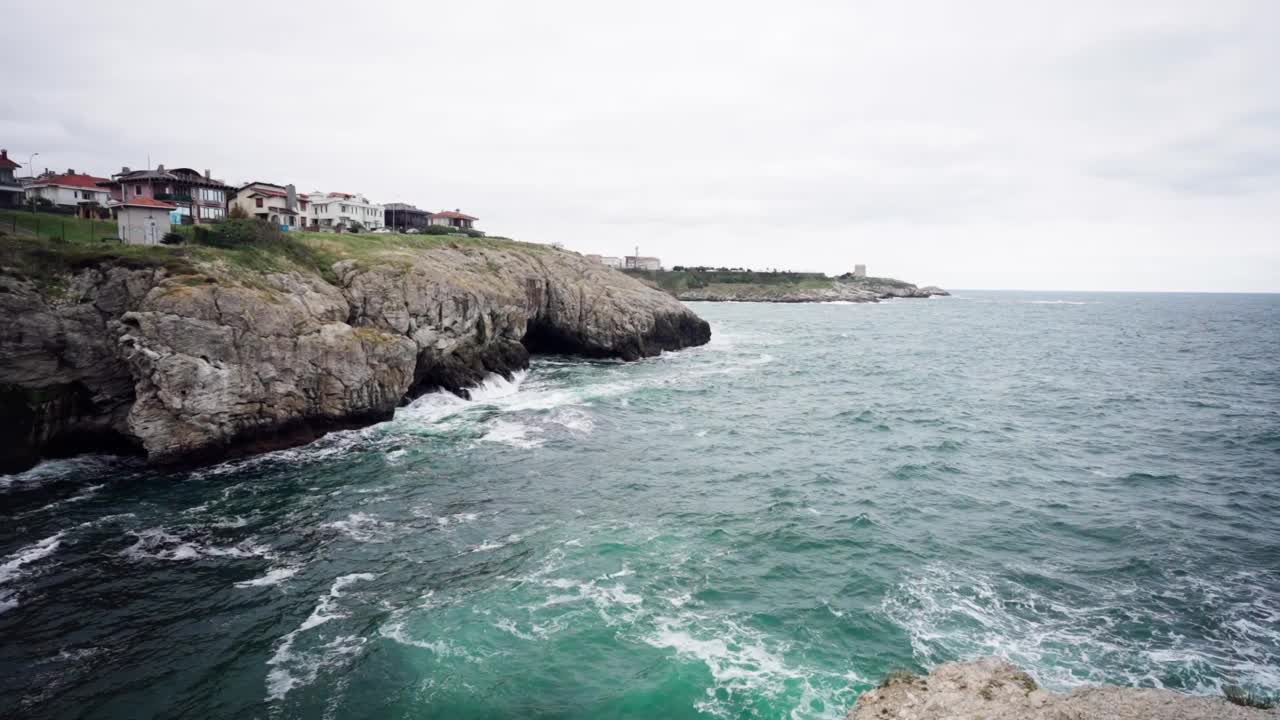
(197, 198)
(640, 262)
(454, 218)
(859, 271)
(142, 220)
(403, 216)
(11, 194)
(341, 211)
(85, 194)
(279, 205)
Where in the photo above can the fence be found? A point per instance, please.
(58, 228)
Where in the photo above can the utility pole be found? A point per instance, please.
(31, 170)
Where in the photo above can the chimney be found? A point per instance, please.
(71, 171)
(124, 170)
(160, 167)
(208, 174)
(4, 154)
(290, 197)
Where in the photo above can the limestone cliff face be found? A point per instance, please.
(992, 689)
(201, 366)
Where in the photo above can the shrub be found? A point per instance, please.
(355, 227)
(237, 213)
(472, 232)
(172, 238)
(436, 230)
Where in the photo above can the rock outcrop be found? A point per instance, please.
(203, 365)
(839, 290)
(992, 689)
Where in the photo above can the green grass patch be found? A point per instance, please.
(56, 227)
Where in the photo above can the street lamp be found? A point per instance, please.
(31, 170)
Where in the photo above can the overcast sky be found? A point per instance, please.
(977, 144)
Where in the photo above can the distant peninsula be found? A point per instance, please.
(707, 284)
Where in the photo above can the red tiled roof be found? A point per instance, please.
(72, 180)
(148, 202)
(5, 162)
(453, 215)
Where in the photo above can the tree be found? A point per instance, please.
(238, 213)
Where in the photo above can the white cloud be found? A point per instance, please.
(988, 143)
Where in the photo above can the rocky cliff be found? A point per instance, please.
(206, 359)
(992, 689)
(858, 291)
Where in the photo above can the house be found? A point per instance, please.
(342, 211)
(279, 205)
(403, 216)
(197, 198)
(11, 194)
(859, 271)
(83, 193)
(454, 219)
(636, 262)
(142, 220)
(607, 261)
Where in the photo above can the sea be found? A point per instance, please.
(763, 527)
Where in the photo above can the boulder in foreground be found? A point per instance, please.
(993, 689)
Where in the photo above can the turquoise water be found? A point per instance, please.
(1086, 484)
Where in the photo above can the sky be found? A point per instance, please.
(1022, 144)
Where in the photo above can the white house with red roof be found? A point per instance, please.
(277, 204)
(337, 210)
(10, 191)
(142, 220)
(453, 218)
(71, 189)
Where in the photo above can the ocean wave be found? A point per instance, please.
(363, 527)
(159, 544)
(274, 576)
(1068, 639)
(515, 434)
(14, 566)
(291, 668)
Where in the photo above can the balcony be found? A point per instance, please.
(174, 197)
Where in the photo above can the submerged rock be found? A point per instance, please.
(200, 365)
(993, 689)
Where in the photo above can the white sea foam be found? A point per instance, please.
(363, 527)
(274, 576)
(53, 470)
(515, 434)
(290, 669)
(456, 519)
(14, 566)
(159, 544)
(487, 546)
(949, 612)
(396, 632)
(25, 556)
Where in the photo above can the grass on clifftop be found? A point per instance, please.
(240, 247)
(682, 279)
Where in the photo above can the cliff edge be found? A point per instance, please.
(199, 353)
(992, 689)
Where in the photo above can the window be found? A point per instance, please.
(212, 213)
(257, 202)
(137, 190)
